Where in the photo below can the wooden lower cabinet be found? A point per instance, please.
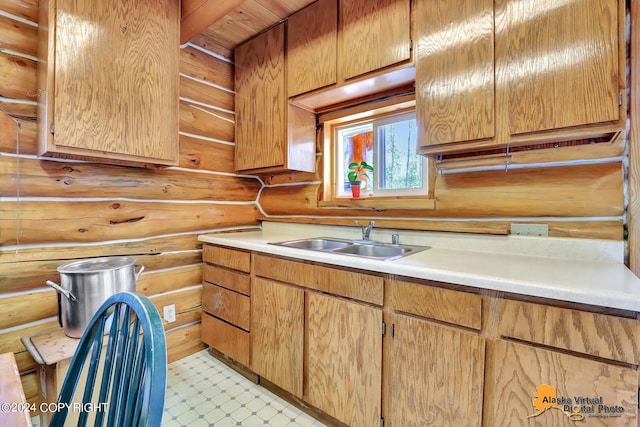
(226, 338)
(344, 359)
(436, 375)
(277, 333)
(532, 386)
(452, 357)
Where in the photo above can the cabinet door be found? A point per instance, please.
(559, 62)
(277, 322)
(373, 34)
(344, 358)
(454, 71)
(116, 79)
(436, 375)
(529, 386)
(312, 37)
(261, 104)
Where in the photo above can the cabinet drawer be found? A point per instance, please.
(231, 306)
(459, 308)
(226, 338)
(239, 282)
(602, 335)
(230, 258)
(350, 284)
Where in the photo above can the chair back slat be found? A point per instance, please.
(112, 344)
(134, 383)
(91, 374)
(127, 380)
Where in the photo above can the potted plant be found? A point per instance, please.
(358, 172)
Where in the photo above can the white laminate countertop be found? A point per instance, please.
(575, 270)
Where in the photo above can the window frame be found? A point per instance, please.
(376, 110)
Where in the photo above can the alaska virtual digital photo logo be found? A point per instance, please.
(576, 408)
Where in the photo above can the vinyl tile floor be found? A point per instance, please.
(202, 392)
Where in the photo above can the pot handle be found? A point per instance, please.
(59, 309)
(64, 292)
(139, 272)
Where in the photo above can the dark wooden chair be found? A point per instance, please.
(124, 383)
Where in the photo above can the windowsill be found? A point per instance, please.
(379, 203)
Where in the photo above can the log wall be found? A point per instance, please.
(53, 212)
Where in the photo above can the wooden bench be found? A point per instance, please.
(14, 410)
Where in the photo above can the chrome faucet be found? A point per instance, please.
(366, 231)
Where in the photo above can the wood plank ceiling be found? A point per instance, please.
(250, 18)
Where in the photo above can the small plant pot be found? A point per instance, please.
(355, 189)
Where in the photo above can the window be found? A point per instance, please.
(387, 143)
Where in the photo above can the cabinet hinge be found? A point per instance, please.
(620, 98)
(381, 421)
(52, 128)
(384, 328)
(410, 45)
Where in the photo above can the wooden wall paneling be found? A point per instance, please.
(30, 275)
(212, 46)
(586, 190)
(157, 282)
(210, 95)
(203, 121)
(20, 110)
(634, 141)
(30, 222)
(18, 135)
(153, 245)
(30, 387)
(18, 77)
(18, 36)
(26, 9)
(202, 66)
(188, 304)
(42, 178)
(182, 342)
(23, 309)
(202, 154)
(174, 260)
(10, 341)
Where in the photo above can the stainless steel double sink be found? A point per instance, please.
(359, 248)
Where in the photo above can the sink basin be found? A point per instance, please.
(373, 251)
(316, 244)
(358, 248)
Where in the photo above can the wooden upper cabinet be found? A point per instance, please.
(373, 34)
(312, 37)
(454, 70)
(559, 72)
(108, 83)
(271, 135)
(560, 63)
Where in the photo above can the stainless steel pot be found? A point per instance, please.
(86, 284)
